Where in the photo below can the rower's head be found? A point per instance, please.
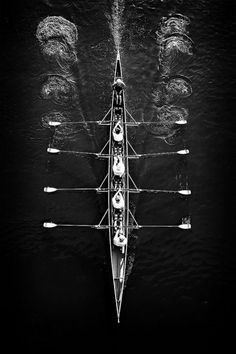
(121, 236)
(119, 82)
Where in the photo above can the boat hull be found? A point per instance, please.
(118, 254)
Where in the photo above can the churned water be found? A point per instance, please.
(58, 64)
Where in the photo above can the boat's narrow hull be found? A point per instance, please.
(118, 254)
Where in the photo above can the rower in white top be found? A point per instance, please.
(118, 166)
(118, 200)
(119, 239)
(118, 132)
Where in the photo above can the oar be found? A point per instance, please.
(179, 152)
(56, 123)
(100, 190)
(181, 226)
(57, 151)
(53, 189)
(182, 191)
(180, 122)
(135, 156)
(134, 122)
(50, 225)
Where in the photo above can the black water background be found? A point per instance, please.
(55, 285)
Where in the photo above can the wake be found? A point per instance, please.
(116, 22)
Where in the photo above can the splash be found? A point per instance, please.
(65, 131)
(57, 3)
(179, 43)
(178, 87)
(166, 117)
(53, 27)
(56, 116)
(59, 89)
(116, 22)
(170, 25)
(171, 90)
(173, 50)
(60, 51)
(169, 114)
(173, 41)
(57, 37)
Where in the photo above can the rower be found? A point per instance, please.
(118, 166)
(117, 111)
(118, 132)
(118, 200)
(118, 149)
(119, 239)
(117, 182)
(117, 117)
(115, 219)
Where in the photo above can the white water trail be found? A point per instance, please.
(116, 24)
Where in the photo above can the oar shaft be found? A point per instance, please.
(78, 152)
(158, 154)
(76, 225)
(158, 191)
(76, 189)
(55, 124)
(153, 226)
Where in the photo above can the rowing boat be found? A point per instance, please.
(121, 219)
(118, 254)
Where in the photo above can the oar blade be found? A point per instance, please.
(185, 192)
(49, 189)
(49, 225)
(54, 124)
(181, 122)
(183, 152)
(185, 226)
(52, 150)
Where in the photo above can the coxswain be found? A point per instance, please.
(118, 132)
(119, 239)
(118, 200)
(118, 85)
(118, 166)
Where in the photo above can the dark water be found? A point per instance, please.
(56, 284)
